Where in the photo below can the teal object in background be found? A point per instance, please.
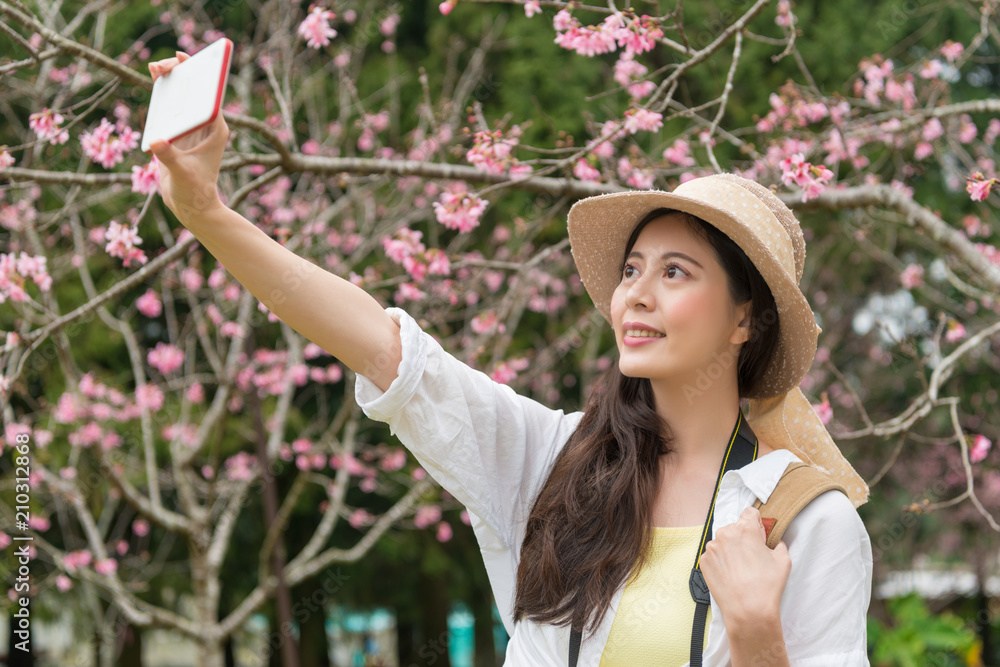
(461, 636)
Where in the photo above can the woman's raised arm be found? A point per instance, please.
(338, 316)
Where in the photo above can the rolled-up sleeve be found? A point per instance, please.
(825, 602)
(485, 444)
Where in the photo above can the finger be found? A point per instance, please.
(181, 56)
(164, 152)
(219, 132)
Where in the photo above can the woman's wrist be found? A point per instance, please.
(756, 639)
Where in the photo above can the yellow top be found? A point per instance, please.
(656, 612)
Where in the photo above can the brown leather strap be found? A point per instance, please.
(798, 486)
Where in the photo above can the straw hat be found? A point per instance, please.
(768, 232)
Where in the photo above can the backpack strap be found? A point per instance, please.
(798, 486)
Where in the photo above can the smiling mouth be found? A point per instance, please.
(643, 333)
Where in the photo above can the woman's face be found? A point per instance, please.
(672, 313)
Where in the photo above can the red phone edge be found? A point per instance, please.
(218, 95)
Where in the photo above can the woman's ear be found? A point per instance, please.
(744, 329)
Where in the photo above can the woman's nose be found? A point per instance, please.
(639, 295)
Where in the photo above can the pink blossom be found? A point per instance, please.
(165, 358)
(585, 172)
(240, 467)
(405, 244)
(122, 242)
(642, 119)
(39, 523)
(394, 460)
(146, 179)
(68, 409)
(315, 29)
(679, 153)
(64, 583)
(952, 50)
(491, 151)
(140, 527)
(149, 396)
(992, 131)
(979, 187)
(955, 332)
(564, 21)
(932, 69)
(106, 566)
(628, 69)
(389, 24)
(77, 559)
(912, 276)
(459, 210)
(408, 292)
(980, 448)
(149, 304)
(427, 515)
(966, 129)
(104, 147)
(824, 411)
(6, 159)
(86, 436)
(361, 517)
(811, 178)
(486, 323)
(444, 532)
(932, 130)
(503, 373)
(46, 126)
(641, 179)
(5, 540)
(531, 7)
(923, 150)
(639, 35)
(973, 225)
(15, 270)
(437, 262)
(191, 278)
(785, 18)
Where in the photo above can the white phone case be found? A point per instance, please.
(190, 96)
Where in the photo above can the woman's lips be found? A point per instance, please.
(635, 336)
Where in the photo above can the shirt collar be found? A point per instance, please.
(762, 475)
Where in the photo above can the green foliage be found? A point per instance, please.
(916, 638)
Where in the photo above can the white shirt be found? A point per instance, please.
(492, 449)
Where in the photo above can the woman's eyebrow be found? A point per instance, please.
(668, 255)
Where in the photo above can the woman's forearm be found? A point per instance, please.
(335, 314)
(757, 643)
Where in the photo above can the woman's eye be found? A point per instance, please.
(673, 267)
(628, 271)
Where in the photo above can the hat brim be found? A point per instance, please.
(599, 228)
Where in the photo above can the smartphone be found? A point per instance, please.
(189, 96)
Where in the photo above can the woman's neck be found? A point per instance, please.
(701, 423)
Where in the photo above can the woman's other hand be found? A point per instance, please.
(745, 577)
(189, 168)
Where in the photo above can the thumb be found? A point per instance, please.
(164, 152)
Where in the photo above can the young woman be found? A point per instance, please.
(593, 520)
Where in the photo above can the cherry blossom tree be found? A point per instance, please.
(163, 399)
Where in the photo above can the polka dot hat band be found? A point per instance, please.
(768, 232)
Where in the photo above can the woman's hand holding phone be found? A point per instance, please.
(189, 167)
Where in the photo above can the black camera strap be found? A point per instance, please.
(742, 450)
